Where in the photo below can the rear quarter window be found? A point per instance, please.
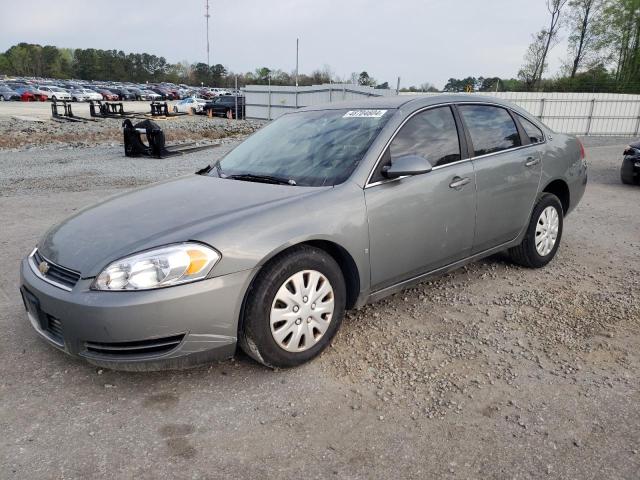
(534, 134)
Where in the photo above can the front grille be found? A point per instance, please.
(53, 328)
(56, 273)
(140, 348)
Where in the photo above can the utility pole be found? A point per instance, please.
(206, 15)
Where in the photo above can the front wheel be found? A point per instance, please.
(53, 99)
(294, 308)
(544, 232)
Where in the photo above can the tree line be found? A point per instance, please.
(32, 60)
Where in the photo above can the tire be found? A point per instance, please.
(626, 179)
(53, 99)
(255, 335)
(193, 111)
(527, 254)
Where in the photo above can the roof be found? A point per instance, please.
(398, 101)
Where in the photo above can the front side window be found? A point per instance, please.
(534, 134)
(492, 129)
(432, 135)
(314, 148)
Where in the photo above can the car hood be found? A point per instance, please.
(174, 211)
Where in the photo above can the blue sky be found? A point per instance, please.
(418, 40)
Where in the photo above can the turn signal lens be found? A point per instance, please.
(197, 261)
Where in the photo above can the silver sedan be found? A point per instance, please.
(325, 209)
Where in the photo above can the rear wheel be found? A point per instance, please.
(53, 99)
(544, 232)
(294, 308)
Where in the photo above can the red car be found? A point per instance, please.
(27, 94)
(108, 95)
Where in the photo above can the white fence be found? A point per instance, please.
(576, 113)
(269, 102)
(579, 113)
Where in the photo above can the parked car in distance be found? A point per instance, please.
(108, 94)
(7, 94)
(151, 95)
(123, 93)
(327, 208)
(190, 105)
(29, 94)
(630, 169)
(54, 93)
(84, 95)
(225, 106)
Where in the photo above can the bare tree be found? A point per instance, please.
(555, 9)
(534, 60)
(583, 17)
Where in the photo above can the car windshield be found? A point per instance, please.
(314, 148)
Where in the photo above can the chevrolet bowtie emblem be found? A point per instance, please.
(43, 267)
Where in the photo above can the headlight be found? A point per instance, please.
(160, 267)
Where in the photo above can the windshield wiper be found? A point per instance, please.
(250, 177)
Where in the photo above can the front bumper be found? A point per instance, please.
(146, 330)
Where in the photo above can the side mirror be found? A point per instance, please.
(407, 165)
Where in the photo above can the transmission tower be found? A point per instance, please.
(206, 15)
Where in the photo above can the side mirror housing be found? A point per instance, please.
(407, 165)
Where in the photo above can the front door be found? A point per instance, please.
(423, 222)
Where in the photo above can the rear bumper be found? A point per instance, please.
(146, 330)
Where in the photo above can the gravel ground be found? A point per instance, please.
(492, 371)
(28, 125)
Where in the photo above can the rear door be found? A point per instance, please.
(508, 169)
(422, 222)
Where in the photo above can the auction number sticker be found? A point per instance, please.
(364, 114)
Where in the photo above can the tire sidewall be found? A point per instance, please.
(545, 201)
(257, 334)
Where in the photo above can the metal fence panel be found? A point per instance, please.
(269, 102)
(579, 113)
(575, 113)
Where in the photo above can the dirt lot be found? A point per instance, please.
(492, 371)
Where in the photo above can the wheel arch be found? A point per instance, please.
(341, 255)
(560, 189)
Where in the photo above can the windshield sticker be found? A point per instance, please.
(364, 114)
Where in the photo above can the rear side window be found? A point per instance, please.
(534, 134)
(431, 134)
(492, 129)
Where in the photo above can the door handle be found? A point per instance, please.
(532, 161)
(459, 182)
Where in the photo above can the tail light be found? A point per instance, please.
(582, 152)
